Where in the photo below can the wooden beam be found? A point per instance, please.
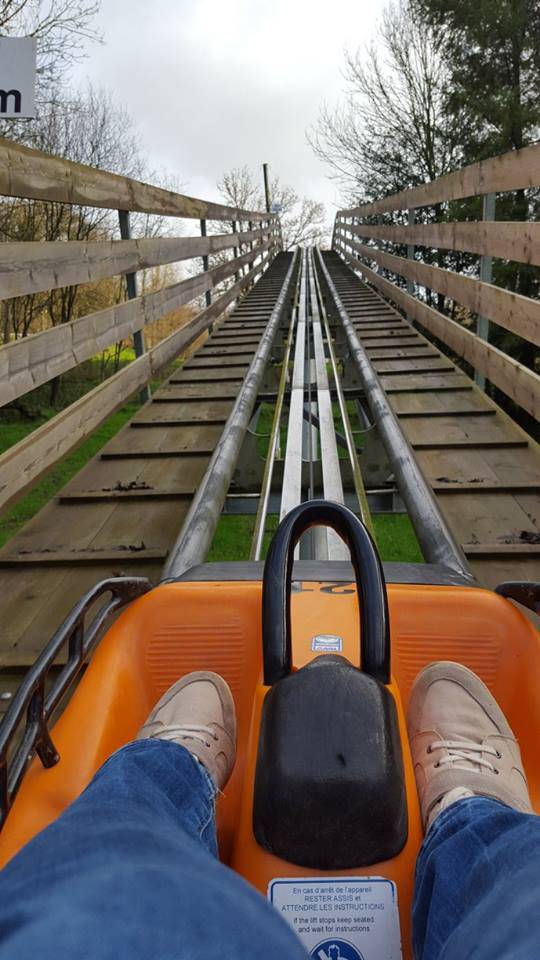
(72, 558)
(428, 388)
(515, 170)
(158, 454)
(33, 266)
(471, 412)
(507, 240)
(444, 444)
(519, 315)
(34, 175)
(27, 363)
(516, 381)
(112, 496)
(514, 549)
(178, 422)
(406, 371)
(486, 486)
(24, 463)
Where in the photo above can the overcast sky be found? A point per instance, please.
(215, 84)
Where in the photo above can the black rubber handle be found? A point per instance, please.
(370, 585)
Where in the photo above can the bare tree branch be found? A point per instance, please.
(391, 131)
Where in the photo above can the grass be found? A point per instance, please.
(35, 408)
(232, 541)
(27, 507)
(266, 417)
(395, 538)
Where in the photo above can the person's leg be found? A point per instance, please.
(477, 887)
(128, 872)
(478, 884)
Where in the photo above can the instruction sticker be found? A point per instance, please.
(341, 918)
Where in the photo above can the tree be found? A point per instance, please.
(61, 28)
(392, 131)
(492, 48)
(493, 51)
(302, 219)
(85, 126)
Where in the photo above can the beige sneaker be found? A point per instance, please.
(198, 713)
(461, 743)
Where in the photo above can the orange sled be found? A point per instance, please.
(323, 785)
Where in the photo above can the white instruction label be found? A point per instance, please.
(341, 918)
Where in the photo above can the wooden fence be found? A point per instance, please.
(33, 267)
(513, 241)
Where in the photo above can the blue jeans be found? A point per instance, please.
(129, 872)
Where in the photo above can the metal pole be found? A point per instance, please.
(132, 294)
(208, 293)
(434, 535)
(199, 527)
(267, 188)
(486, 273)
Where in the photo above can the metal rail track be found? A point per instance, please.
(467, 472)
(482, 468)
(121, 513)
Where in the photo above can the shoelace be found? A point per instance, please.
(194, 731)
(462, 750)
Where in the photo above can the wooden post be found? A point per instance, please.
(486, 273)
(208, 293)
(235, 249)
(266, 188)
(132, 293)
(410, 256)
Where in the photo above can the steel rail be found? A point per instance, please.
(197, 532)
(358, 480)
(310, 433)
(264, 497)
(291, 494)
(328, 544)
(434, 535)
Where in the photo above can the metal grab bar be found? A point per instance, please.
(370, 585)
(38, 706)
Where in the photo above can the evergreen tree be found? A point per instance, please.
(492, 50)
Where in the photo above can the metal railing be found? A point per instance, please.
(33, 706)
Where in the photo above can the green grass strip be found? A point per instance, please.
(27, 507)
(395, 538)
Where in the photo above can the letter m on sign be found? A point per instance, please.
(5, 96)
(17, 77)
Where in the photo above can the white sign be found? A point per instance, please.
(17, 77)
(341, 918)
(326, 643)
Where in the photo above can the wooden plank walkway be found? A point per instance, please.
(123, 511)
(484, 469)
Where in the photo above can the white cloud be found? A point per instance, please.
(214, 84)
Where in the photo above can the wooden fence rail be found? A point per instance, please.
(28, 268)
(33, 175)
(31, 361)
(516, 241)
(508, 240)
(520, 315)
(516, 170)
(23, 464)
(40, 265)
